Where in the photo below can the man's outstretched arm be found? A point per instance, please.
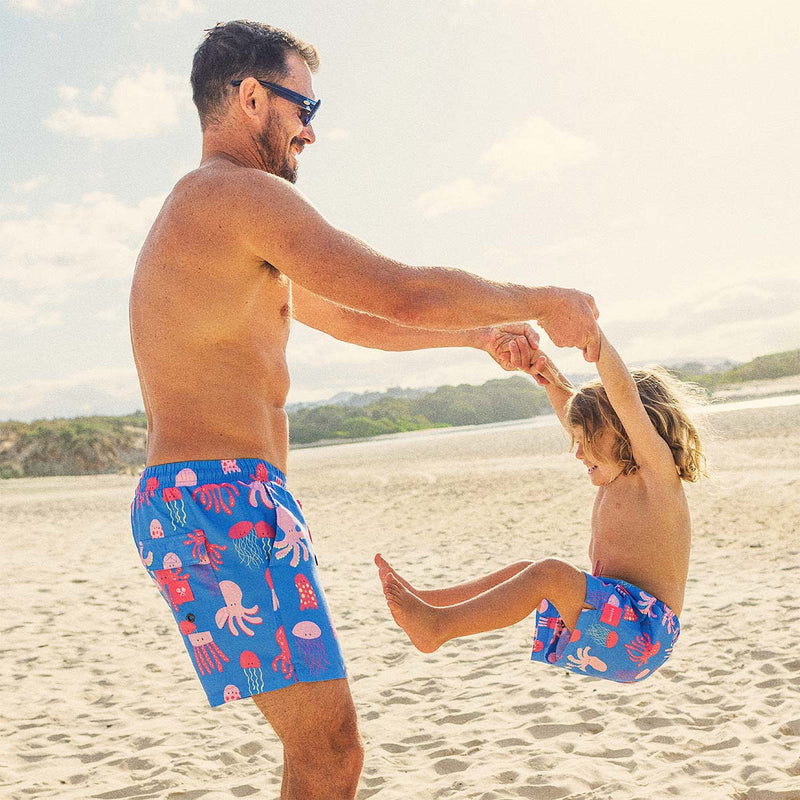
(285, 230)
(512, 345)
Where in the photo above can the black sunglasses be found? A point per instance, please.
(309, 107)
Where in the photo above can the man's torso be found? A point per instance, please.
(209, 325)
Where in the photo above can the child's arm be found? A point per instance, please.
(558, 388)
(649, 449)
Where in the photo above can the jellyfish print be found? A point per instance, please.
(231, 693)
(143, 497)
(229, 465)
(251, 665)
(247, 544)
(308, 599)
(186, 477)
(174, 502)
(309, 642)
(156, 529)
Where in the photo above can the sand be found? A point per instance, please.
(97, 703)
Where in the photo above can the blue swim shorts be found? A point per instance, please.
(228, 548)
(625, 637)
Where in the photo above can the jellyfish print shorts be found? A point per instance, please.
(625, 637)
(228, 548)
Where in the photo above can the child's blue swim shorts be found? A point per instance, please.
(625, 637)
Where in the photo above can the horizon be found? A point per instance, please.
(631, 152)
(575, 378)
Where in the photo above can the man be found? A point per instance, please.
(235, 253)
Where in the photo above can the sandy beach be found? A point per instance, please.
(96, 704)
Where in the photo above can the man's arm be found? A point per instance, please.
(512, 345)
(284, 229)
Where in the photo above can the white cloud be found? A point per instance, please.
(90, 391)
(25, 316)
(26, 187)
(48, 7)
(538, 149)
(75, 243)
(163, 10)
(461, 194)
(144, 104)
(740, 321)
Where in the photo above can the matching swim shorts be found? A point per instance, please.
(228, 548)
(625, 637)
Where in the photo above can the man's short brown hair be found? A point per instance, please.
(240, 49)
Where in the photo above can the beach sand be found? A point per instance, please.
(98, 704)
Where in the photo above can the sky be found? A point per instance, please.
(646, 152)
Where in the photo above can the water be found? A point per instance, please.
(550, 420)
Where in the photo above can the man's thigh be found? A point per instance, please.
(308, 715)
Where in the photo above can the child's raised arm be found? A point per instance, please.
(558, 388)
(649, 449)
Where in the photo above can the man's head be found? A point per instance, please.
(262, 74)
(241, 49)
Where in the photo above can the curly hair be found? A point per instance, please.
(664, 398)
(239, 49)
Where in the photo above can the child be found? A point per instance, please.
(620, 622)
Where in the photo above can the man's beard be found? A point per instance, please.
(275, 161)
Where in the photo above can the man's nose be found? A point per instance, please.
(308, 134)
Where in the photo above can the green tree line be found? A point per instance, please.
(775, 365)
(94, 445)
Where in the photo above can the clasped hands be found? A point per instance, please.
(570, 321)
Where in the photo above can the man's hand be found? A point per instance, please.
(570, 320)
(513, 345)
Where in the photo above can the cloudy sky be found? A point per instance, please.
(643, 151)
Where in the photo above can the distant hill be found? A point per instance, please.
(94, 445)
(360, 399)
(775, 365)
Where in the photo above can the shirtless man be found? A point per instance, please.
(234, 254)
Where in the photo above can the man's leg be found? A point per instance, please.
(322, 749)
(451, 595)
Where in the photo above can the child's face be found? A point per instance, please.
(601, 464)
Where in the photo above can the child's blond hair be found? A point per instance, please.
(664, 398)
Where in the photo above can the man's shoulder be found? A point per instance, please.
(227, 184)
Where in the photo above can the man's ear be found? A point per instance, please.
(249, 98)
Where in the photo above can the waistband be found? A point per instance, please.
(190, 473)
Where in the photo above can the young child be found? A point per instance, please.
(621, 621)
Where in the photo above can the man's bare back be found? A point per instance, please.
(209, 325)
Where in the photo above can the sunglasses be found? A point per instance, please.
(309, 107)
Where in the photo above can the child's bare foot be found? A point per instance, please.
(415, 617)
(384, 568)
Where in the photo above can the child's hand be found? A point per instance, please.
(513, 345)
(539, 370)
(545, 373)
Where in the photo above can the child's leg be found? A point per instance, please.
(454, 594)
(429, 627)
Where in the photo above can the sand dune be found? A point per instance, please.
(99, 701)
